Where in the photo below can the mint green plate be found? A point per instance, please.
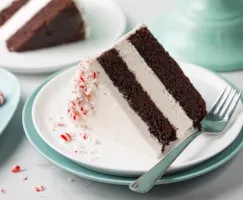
(67, 165)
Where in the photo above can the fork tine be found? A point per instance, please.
(215, 104)
(232, 108)
(227, 104)
(222, 102)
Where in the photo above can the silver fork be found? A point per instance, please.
(215, 122)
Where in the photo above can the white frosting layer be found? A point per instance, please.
(21, 17)
(5, 3)
(79, 5)
(155, 88)
(123, 125)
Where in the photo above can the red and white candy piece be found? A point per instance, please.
(16, 169)
(84, 136)
(2, 99)
(3, 191)
(73, 114)
(66, 137)
(39, 188)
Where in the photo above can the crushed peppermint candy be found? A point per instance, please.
(25, 178)
(84, 86)
(2, 99)
(66, 137)
(90, 140)
(84, 136)
(57, 124)
(16, 169)
(60, 124)
(39, 188)
(3, 191)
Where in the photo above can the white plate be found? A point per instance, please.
(107, 23)
(112, 158)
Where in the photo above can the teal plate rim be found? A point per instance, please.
(71, 167)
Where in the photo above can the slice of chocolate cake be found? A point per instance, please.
(136, 94)
(8, 8)
(35, 24)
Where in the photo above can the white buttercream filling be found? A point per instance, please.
(164, 101)
(21, 17)
(5, 4)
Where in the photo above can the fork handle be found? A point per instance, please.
(148, 180)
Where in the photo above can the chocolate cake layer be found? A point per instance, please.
(170, 74)
(58, 22)
(8, 12)
(137, 98)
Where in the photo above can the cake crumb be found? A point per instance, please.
(70, 180)
(94, 141)
(93, 151)
(94, 159)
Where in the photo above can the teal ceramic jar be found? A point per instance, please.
(204, 32)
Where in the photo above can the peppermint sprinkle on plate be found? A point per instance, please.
(2, 99)
(66, 137)
(16, 169)
(39, 188)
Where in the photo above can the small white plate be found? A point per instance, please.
(107, 23)
(111, 158)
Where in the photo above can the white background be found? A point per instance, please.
(222, 184)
